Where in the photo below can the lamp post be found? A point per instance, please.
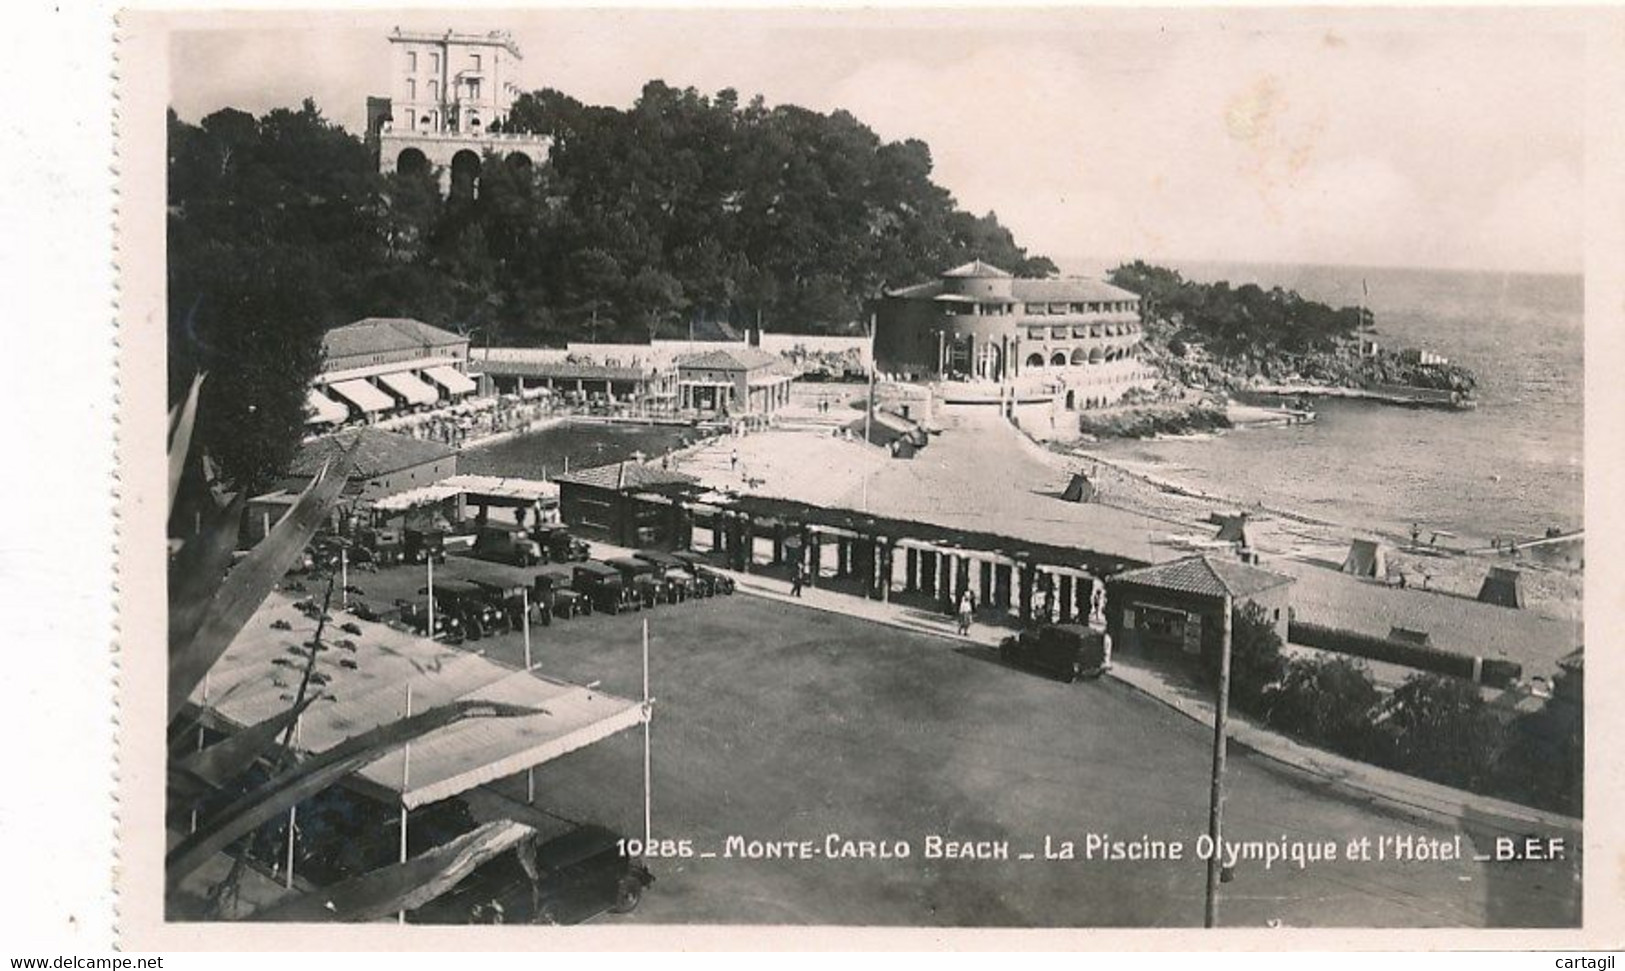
(1215, 819)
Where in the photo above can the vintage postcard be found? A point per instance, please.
(868, 477)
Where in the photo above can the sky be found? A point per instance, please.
(1447, 139)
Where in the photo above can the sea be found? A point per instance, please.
(1511, 468)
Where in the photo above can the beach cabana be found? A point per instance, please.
(1080, 489)
(1502, 587)
(1366, 558)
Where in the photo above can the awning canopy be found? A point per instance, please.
(453, 380)
(412, 498)
(252, 682)
(408, 386)
(362, 395)
(320, 409)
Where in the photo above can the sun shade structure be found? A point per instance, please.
(1366, 559)
(497, 487)
(258, 675)
(322, 409)
(409, 387)
(363, 395)
(453, 380)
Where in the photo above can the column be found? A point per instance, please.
(815, 553)
(1065, 594)
(1026, 593)
(887, 568)
(843, 556)
(946, 581)
(1001, 586)
(911, 569)
(778, 543)
(927, 564)
(984, 593)
(719, 539)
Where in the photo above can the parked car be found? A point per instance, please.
(676, 574)
(1062, 651)
(604, 587)
(551, 590)
(472, 605)
(558, 544)
(380, 546)
(645, 580)
(415, 615)
(582, 874)
(422, 545)
(720, 582)
(505, 543)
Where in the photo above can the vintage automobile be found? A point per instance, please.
(422, 545)
(471, 604)
(720, 582)
(1062, 651)
(604, 587)
(415, 615)
(558, 545)
(551, 589)
(577, 877)
(380, 546)
(645, 580)
(676, 574)
(507, 543)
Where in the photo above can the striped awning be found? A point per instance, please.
(320, 409)
(453, 380)
(363, 395)
(410, 387)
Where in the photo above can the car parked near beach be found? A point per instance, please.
(603, 585)
(1062, 651)
(720, 582)
(679, 573)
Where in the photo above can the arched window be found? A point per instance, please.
(1096, 356)
(1080, 356)
(1059, 359)
(1035, 360)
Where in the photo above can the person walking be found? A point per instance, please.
(966, 608)
(797, 578)
(733, 459)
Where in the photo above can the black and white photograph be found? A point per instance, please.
(914, 469)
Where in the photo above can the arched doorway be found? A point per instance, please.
(465, 174)
(1071, 400)
(1059, 359)
(1080, 356)
(518, 160)
(411, 162)
(1097, 356)
(1035, 360)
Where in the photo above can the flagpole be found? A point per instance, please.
(431, 598)
(293, 810)
(344, 577)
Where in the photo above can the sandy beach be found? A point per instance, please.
(981, 473)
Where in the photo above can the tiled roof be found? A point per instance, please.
(1208, 576)
(626, 475)
(374, 335)
(562, 370)
(378, 453)
(1070, 289)
(978, 270)
(742, 359)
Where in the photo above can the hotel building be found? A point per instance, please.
(446, 90)
(1073, 338)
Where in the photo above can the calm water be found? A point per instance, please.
(583, 444)
(1513, 466)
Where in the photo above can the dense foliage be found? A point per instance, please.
(1433, 726)
(1249, 333)
(1235, 320)
(682, 208)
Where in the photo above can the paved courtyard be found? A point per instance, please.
(778, 723)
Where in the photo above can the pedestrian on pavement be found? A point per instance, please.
(966, 607)
(796, 580)
(733, 459)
